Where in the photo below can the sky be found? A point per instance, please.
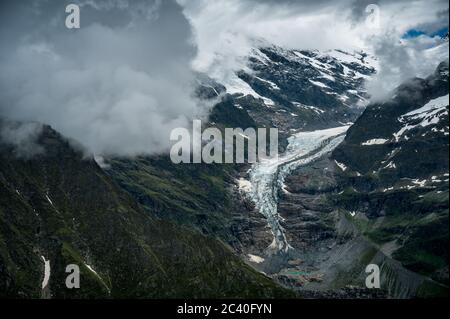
(118, 85)
(224, 31)
(125, 79)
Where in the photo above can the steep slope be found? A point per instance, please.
(381, 197)
(194, 195)
(395, 166)
(301, 89)
(59, 208)
(334, 215)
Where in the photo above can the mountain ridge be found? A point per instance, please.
(61, 207)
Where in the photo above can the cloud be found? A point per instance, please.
(402, 60)
(22, 137)
(119, 84)
(123, 81)
(225, 30)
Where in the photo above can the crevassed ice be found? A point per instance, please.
(268, 176)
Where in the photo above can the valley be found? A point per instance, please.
(350, 188)
(294, 218)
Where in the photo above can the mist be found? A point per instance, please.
(125, 79)
(225, 31)
(23, 137)
(402, 61)
(118, 85)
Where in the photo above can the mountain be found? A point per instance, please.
(288, 89)
(332, 209)
(355, 184)
(301, 89)
(58, 207)
(292, 90)
(380, 197)
(395, 166)
(386, 138)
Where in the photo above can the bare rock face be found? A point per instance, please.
(249, 227)
(308, 218)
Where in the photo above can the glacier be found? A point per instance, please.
(267, 177)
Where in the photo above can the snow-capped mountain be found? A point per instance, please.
(394, 139)
(301, 220)
(393, 175)
(301, 89)
(324, 212)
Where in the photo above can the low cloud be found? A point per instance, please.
(119, 84)
(225, 31)
(401, 60)
(123, 81)
(22, 137)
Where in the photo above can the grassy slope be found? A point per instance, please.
(92, 221)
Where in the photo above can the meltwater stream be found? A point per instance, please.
(267, 176)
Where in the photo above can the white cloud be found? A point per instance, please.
(118, 85)
(124, 80)
(225, 30)
(23, 137)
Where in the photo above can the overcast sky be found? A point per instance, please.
(122, 81)
(224, 31)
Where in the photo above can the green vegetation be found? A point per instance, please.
(64, 207)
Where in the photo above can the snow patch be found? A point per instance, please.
(308, 107)
(47, 272)
(319, 84)
(244, 185)
(391, 165)
(255, 259)
(375, 141)
(428, 115)
(341, 166)
(270, 83)
(98, 276)
(438, 103)
(239, 86)
(48, 199)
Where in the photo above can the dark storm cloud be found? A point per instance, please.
(124, 80)
(119, 84)
(22, 137)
